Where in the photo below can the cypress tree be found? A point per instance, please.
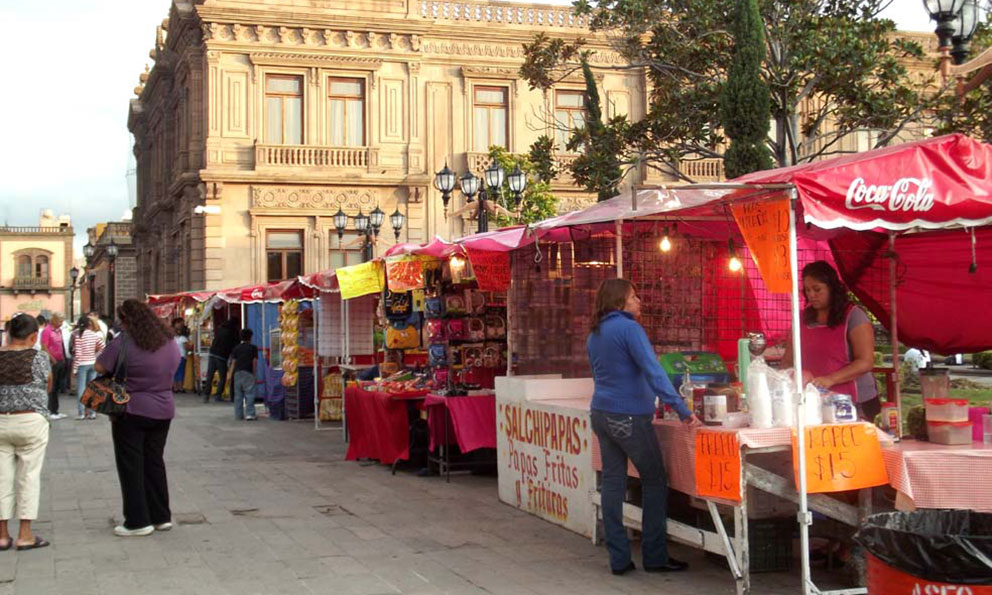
(745, 103)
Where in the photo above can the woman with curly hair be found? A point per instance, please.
(838, 341)
(147, 357)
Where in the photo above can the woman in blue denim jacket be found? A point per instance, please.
(627, 378)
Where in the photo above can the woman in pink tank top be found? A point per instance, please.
(838, 341)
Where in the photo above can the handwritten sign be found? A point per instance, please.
(765, 227)
(718, 465)
(360, 279)
(404, 273)
(840, 457)
(492, 269)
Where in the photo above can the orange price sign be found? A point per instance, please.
(718, 465)
(840, 457)
(765, 227)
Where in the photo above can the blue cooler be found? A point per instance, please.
(704, 367)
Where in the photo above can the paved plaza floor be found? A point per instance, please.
(273, 507)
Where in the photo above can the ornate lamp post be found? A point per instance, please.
(340, 224)
(90, 276)
(73, 275)
(965, 24)
(363, 226)
(444, 180)
(397, 219)
(944, 12)
(517, 181)
(112, 251)
(488, 188)
(956, 23)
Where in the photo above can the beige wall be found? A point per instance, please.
(57, 264)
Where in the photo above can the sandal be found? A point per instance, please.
(38, 543)
(10, 542)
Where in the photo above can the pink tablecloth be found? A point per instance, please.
(378, 425)
(471, 420)
(938, 476)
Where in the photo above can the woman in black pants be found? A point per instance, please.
(148, 358)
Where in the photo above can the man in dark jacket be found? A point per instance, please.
(225, 338)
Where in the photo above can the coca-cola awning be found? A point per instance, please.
(931, 184)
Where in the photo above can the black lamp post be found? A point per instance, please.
(91, 281)
(363, 226)
(944, 12)
(517, 181)
(88, 253)
(397, 219)
(493, 176)
(73, 275)
(112, 251)
(445, 182)
(340, 223)
(490, 187)
(965, 24)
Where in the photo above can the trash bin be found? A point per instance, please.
(940, 552)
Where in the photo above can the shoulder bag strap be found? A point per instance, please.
(120, 368)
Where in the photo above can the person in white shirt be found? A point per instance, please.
(920, 357)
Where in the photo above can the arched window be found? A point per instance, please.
(24, 266)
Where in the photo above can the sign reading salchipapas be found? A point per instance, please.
(718, 465)
(545, 462)
(840, 457)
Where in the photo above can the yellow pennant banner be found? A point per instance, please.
(360, 279)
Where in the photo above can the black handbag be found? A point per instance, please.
(108, 394)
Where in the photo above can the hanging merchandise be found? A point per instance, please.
(330, 399)
(437, 331)
(457, 331)
(476, 329)
(402, 336)
(398, 305)
(495, 327)
(437, 356)
(434, 307)
(455, 305)
(289, 325)
(476, 301)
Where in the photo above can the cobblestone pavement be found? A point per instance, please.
(273, 507)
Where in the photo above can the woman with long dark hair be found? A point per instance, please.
(838, 341)
(147, 355)
(25, 380)
(627, 377)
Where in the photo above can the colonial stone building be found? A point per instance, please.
(111, 268)
(259, 120)
(34, 267)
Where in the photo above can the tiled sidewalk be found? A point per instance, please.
(273, 507)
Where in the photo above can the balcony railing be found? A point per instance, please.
(703, 170)
(503, 14)
(315, 156)
(31, 283)
(23, 229)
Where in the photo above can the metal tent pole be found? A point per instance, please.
(619, 248)
(345, 357)
(894, 330)
(797, 357)
(316, 360)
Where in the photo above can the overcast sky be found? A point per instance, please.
(70, 69)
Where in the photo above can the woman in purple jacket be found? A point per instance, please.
(626, 379)
(149, 358)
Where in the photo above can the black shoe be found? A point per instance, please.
(629, 567)
(673, 565)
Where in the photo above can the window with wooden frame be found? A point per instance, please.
(490, 108)
(570, 115)
(283, 254)
(346, 112)
(33, 264)
(347, 251)
(284, 109)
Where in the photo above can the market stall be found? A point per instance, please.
(932, 196)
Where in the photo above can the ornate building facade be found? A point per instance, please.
(35, 265)
(259, 120)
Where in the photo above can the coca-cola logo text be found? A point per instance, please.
(906, 194)
(256, 294)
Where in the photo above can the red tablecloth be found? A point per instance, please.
(938, 476)
(378, 425)
(471, 420)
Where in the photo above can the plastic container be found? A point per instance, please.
(949, 432)
(714, 408)
(935, 383)
(838, 409)
(947, 409)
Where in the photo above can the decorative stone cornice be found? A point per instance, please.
(313, 60)
(490, 72)
(309, 37)
(314, 198)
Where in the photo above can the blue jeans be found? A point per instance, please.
(632, 436)
(84, 374)
(244, 390)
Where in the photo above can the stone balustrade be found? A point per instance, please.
(315, 156)
(530, 15)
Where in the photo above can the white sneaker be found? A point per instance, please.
(55, 416)
(122, 531)
(80, 418)
(164, 526)
(91, 416)
(250, 418)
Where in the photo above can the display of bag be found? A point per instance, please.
(476, 301)
(457, 330)
(398, 305)
(472, 355)
(437, 331)
(437, 355)
(456, 357)
(108, 394)
(441, 377)
(402, 336)
(455, 304)
(491, 355)
(495, 327)
(434, 307)
(476, 329)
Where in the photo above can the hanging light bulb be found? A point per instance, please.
(666, 244)
(457, 262)
(735, 264)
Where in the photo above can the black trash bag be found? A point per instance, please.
(944, 546)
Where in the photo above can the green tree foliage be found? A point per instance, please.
(744, 105)
(832, 68)
(537, 200)
(598, 165)
(972, 113)
(542, 156)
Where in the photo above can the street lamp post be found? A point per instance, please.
(396, 220)
(73, 275)
(944, 12)
(363, 226)
(112, 251)
(965, 24)
(90, 276)
(490, 188)
(957, 21)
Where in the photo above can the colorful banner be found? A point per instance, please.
(718, 465)
(840, 457)
(360, 279)
(765, 227)
(492, 269)
(404, 273)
